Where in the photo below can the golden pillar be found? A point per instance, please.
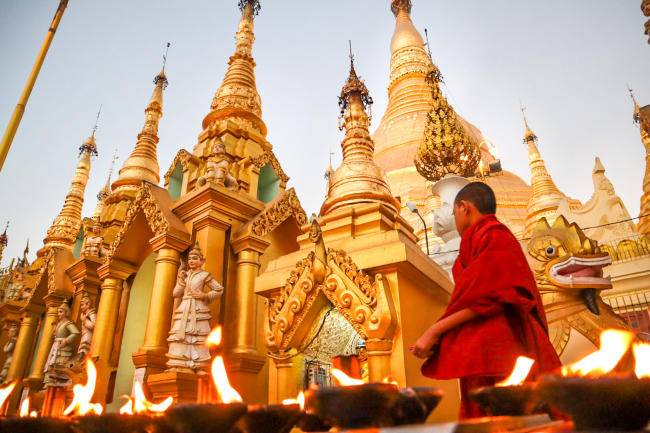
(241, 315)
(22, 354)
(45, 343)
(151, 354)
(286, 379)
(114, 274)
(379, 352)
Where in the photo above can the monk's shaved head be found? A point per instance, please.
(480, 195)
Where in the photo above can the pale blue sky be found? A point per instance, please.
(569, 60)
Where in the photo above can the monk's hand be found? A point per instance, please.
(423, 347)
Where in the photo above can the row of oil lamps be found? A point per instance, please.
(607, 390)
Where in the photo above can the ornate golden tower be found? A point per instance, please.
(545, 194)
(4, 240)
(358, 179)
(64, 230)
(642, 118)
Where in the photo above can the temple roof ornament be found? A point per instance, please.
(546, 196)
(142, 164)
(103, 193)
(446, 147)
(65, 228)
(358, 179)
(237, 97)
(401, 6)
(642, 118)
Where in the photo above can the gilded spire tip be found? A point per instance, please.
(354, 85)
(254, 5)
(528, 134)
(161, 77)
(398, 6)
(637, 114)
(4, 239)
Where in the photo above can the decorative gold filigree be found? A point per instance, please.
(183, 158)
(154, 216)
(279, 210)
(268, 157)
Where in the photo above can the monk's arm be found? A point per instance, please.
(423, 346)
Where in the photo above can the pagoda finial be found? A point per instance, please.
(528, 133)
(103, 193)
(95, 126)
(237, 98)
(4, 241)
(401, 6)
(358, 179)
(65, 228)
(142, 164)
(637, 109)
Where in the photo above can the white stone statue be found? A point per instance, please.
(62, 350)
(94, 242)
(8, 349)
(196, 289)
(443, 221)
(218, 168)
(88, 317)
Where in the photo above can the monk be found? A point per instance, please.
(495, 313)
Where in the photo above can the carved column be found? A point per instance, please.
(151, 354)
(287, 381)
(241, 315)
(101, 347)
(45, 343)
(22, 353)
(379, 352)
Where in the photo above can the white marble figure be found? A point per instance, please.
(88, 317)
(196, 289)
(443, 221)
(94, 242)
(218, 168)
(8, 349)
(62, 350)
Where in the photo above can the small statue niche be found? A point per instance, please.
(93, 245)
(195, 289)
(87, 317)
(218, 168)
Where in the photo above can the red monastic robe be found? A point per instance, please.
(492, 279)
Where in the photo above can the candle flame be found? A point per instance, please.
(24, 408)
(390, 380)
(343, 379)
(82, 394)
(140, 404)
(614, 343)
(641, 360)
(300, 401)
(519, 373)
(6, 392)
(214, 338)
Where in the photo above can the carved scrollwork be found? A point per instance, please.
(154, 216)
(268, 157)
(287, 205)
(183, 157)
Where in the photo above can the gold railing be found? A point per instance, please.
(627, 248)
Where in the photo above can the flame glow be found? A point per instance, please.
(343, 379)
(519, 373)
(140, 404)
(300, 401)
(614, 343)
(390, 380)
(82, 394)
(227, 394)
(6, 392)
(641, 360)
(24, 408)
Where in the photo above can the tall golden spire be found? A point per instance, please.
(237, 97)
(545, 196)
(358, 179)
(642, 118)
(142, 164)
(4, 240)
(65, 228)
(103, 193)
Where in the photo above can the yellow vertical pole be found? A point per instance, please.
(17, 115)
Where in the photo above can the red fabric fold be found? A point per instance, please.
(493, 279)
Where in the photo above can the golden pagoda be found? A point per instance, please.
(642, 118)
(360, 264)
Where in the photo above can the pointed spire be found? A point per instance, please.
(642, 118)
(142, 164)
(546, 196)
(4, 240)
(237, 97)
(65, 228)
(103, 193)
(358, 179)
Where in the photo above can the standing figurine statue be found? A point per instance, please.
(94, 242)
(87, 318)
(8, 349)
(218, 168)
(196, 289)
(62, 350)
